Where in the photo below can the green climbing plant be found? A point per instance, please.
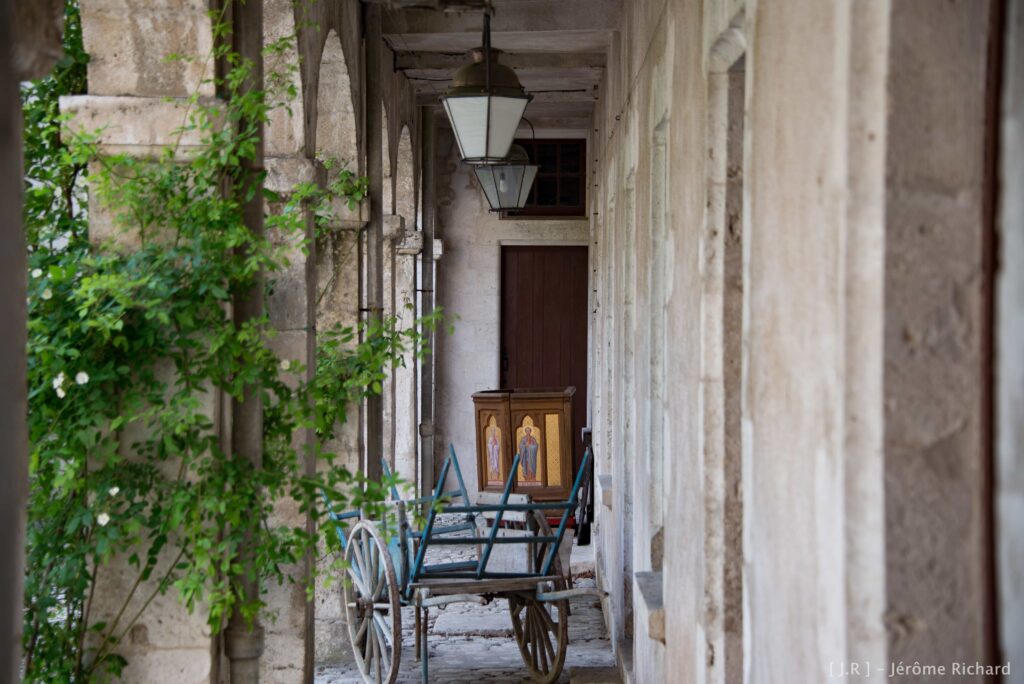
(130, 346)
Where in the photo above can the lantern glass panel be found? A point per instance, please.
(488, 184)
(506, 186)
(524, 191)
(469, 118)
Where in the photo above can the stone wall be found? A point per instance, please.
(772, 338)
(825, 343)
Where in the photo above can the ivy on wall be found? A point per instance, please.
(128, 350)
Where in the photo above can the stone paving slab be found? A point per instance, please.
(472, 624)
(471, 658)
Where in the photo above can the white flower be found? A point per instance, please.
(103, 519)
(81, 377)
(58, 384)
(47, 293)
(37, 273)
(286, 364)
(113, 491)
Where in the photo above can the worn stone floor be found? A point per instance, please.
(471, 643)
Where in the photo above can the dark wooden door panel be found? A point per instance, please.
(544, 323)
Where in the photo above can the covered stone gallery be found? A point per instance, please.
(774, 245)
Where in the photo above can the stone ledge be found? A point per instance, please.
(411, 244)
(137, 126)
(649, 601)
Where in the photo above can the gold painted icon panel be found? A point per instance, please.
(529, 441)
(493, 446)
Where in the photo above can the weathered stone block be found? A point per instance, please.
(130, 43)
(284, 173)
(167, 644)
(345, 217)
(394, 226)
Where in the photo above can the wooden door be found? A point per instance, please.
(544, 324)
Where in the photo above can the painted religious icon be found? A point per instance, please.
(492, 442)
(529, 453)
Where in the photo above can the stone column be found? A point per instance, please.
(937, 494)
(375, 232)
(139, 97)
(34, 30)
(1010, 369)
(408, 251)
(288, 652)
(426, 386)
(394, 226)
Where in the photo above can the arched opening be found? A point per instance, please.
(337, 297)
(336, 140)
(405, 183)
(338, 264)
(336, 137)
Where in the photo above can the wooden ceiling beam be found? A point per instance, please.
(517, 60)
(508, 15)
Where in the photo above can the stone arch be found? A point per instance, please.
(336, 124)
(405, 181)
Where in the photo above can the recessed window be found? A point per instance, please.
(560, 187)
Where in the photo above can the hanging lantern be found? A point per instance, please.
(507, 185)
(485, 103)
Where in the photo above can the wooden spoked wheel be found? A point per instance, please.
(372, 605)
(541, 627)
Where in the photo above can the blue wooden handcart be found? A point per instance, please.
(386, 566)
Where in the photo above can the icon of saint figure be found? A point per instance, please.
(528, 447)
(493, 454)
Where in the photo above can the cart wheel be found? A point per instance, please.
(372, 605)
(541, 627)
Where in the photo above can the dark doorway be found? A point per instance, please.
(544, 324)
